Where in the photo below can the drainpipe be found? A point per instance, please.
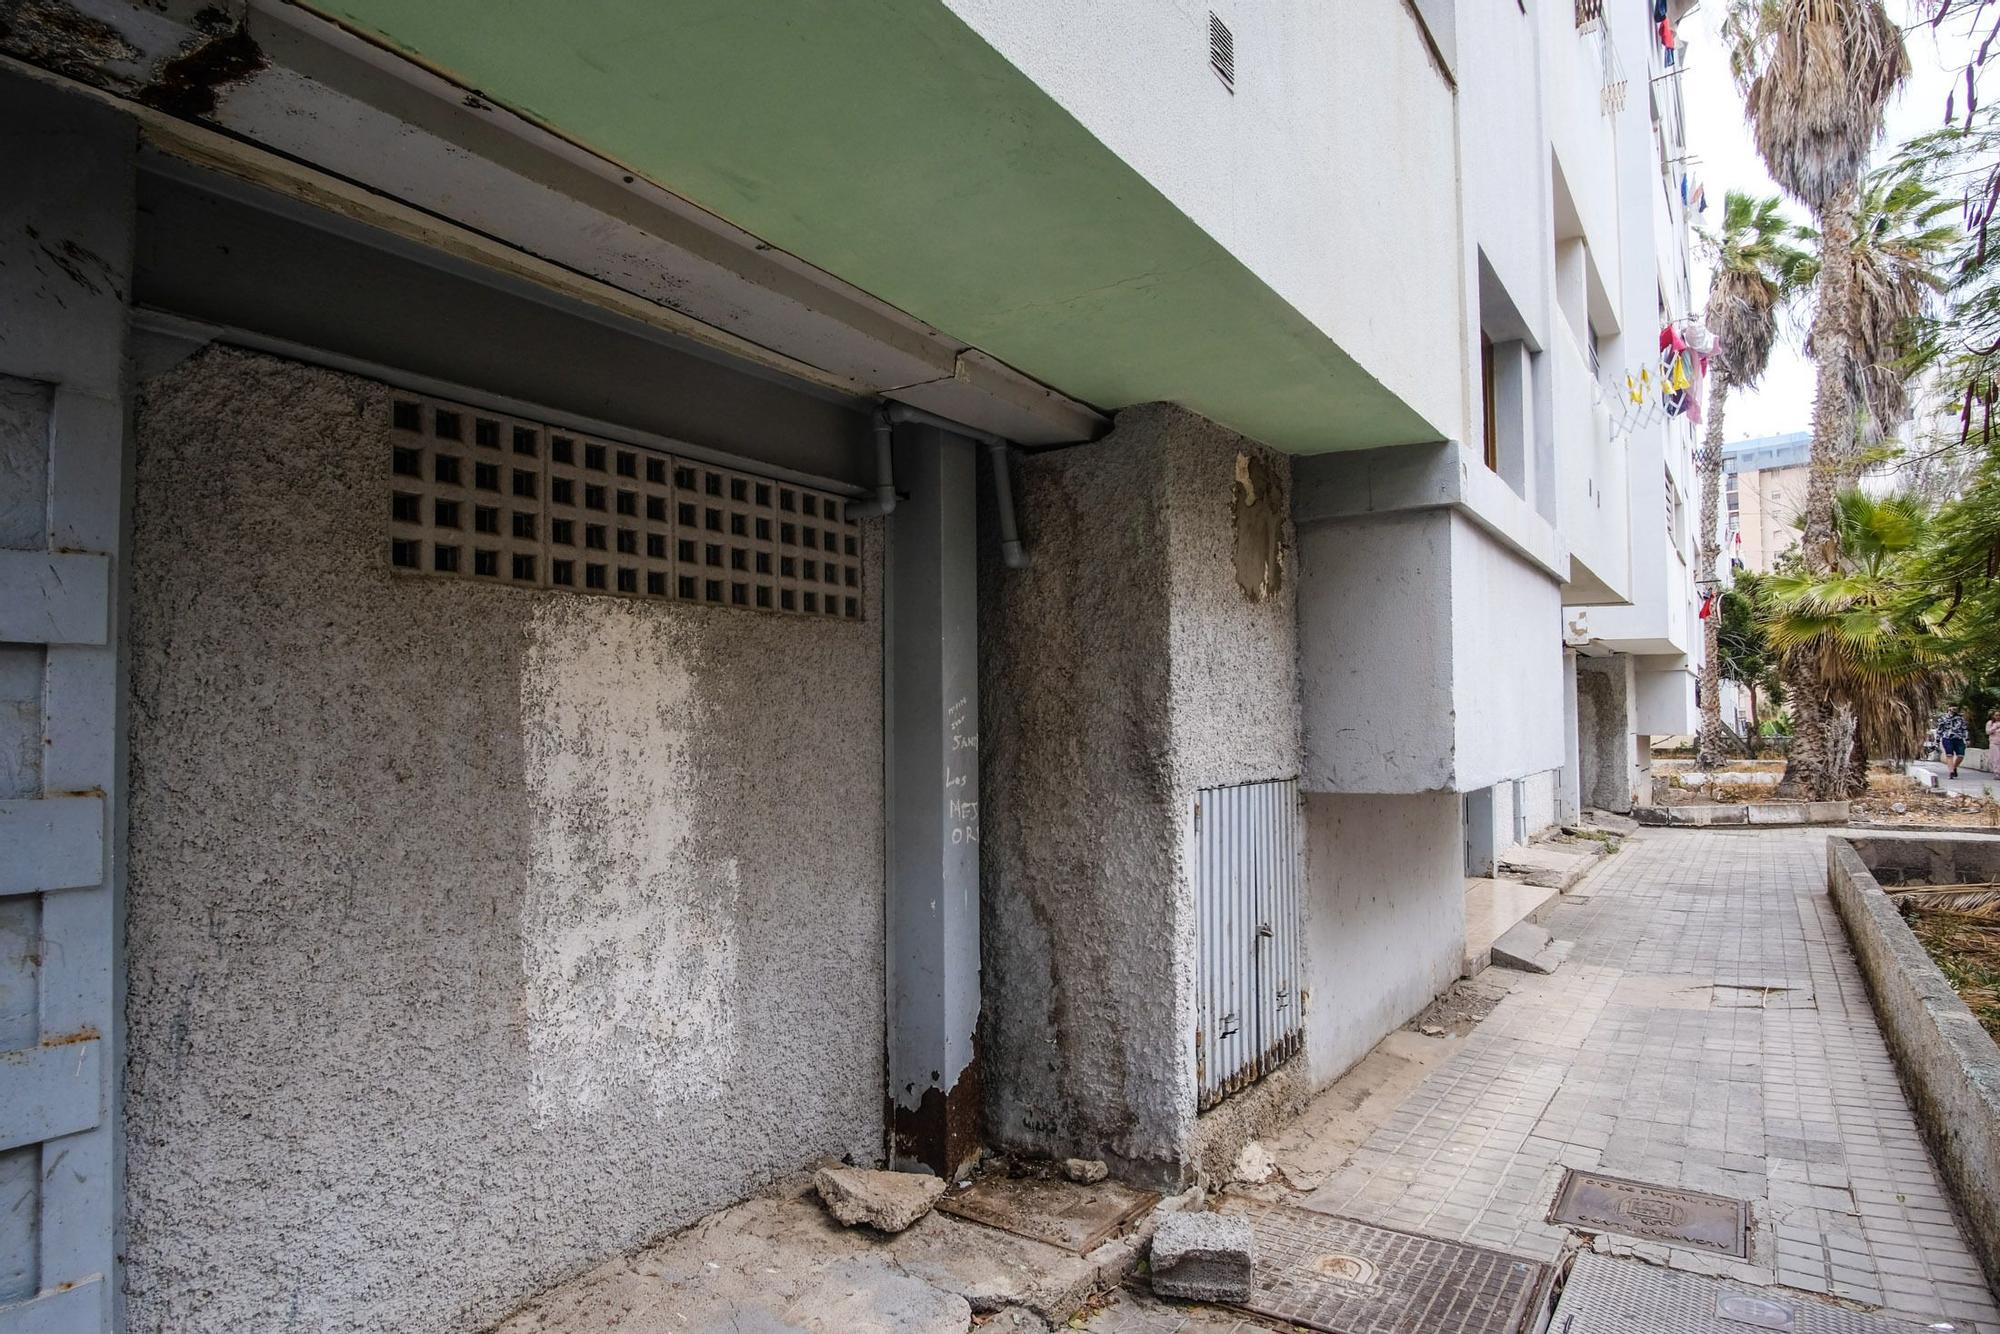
(1011, 551)
(885, 472)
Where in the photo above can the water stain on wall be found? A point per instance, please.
(627, 942)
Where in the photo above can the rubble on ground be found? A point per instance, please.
(1202, 1257)
(1253, 1165)
(1084, 1171)
(885, 1201)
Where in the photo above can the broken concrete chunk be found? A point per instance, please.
(885, 1201)
(1084, 1171)
(1253, 1165)
(1527, 947)
(1203, 1258)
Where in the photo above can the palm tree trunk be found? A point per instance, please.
(1709, 742)
(1810, 767)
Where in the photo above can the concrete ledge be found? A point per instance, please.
(1760, 813)
(1949, 1064)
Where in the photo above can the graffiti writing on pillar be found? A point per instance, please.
(961, 764)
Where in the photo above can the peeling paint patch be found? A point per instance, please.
(1259, 514)
(629, 948)
(61, 38)
(186, 85)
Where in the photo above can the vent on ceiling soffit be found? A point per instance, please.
(1222, 51)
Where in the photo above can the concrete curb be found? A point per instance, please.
(1762, 814)
(1949, 1063)
(1878, 827)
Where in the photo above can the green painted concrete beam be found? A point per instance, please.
(887, 143)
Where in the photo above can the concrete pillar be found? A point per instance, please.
(1607, 752)
(1569, 791)
(932, 680)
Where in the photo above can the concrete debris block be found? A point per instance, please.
(1204, 1258)
(1431, 1031)
(1528, 947)
(1253, 1164)
(1084, 1171)
(885, 1201)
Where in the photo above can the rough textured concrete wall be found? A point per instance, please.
(475, 933)
(1605, 754)
(1386, 918)
(1950, 1064)
(1125, 668)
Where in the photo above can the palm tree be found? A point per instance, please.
(1867, 628)
(1755, 268)
(1901, 244)
(1816, 76)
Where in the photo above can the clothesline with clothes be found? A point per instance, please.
(1670, 387)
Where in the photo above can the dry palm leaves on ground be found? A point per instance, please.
(1960, 927)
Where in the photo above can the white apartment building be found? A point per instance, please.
(603, 601)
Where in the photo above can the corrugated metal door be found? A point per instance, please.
(1249, 883)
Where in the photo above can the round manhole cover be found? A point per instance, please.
(1345, 1269)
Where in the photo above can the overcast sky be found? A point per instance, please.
(1782, 401)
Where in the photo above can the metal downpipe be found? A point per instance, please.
(884, 502)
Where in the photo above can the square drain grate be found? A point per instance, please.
(1652, 1213)
(1345, 1277)
(1607, 1296)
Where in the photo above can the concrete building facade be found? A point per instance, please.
(1763, 493)
(597, 606)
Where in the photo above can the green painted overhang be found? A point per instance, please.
(887, 143)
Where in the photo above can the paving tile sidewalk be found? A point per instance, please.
(1711, 1031)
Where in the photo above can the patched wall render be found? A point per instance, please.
(1125, 669)
(475, 934)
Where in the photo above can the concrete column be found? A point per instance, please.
(1569, 791)
(932, 680)
(1607, 752)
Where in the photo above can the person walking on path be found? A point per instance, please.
(1952, 735)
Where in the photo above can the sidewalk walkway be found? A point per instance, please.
(1970, 782)
(1709, 1031)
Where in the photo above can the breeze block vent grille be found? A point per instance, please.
(495, 499)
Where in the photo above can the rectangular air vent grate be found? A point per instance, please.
(495, 499)
(1222, 51)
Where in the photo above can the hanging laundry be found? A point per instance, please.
(1700, 201)
(1659, 11)
(1684, 189)
(1707, 606)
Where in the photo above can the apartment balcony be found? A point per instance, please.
(1591, 482)
(1430, 652)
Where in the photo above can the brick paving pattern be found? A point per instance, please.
(1710, 1030)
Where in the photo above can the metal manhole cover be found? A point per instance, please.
(1345, 1277)
(1076, 1218)
(1607, 1296)
(1652, 1213)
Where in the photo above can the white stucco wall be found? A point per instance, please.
(1375, 671)
(1385, 918)
(475, 934)
(1507, 674)
(1331, 171)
